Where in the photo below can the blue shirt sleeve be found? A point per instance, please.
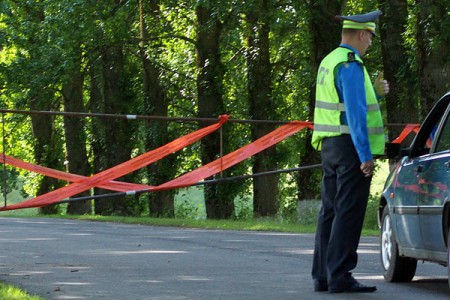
(350, 85)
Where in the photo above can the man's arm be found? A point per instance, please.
(351, 77)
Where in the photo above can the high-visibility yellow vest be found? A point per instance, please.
(328, 108)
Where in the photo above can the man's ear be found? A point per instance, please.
(361, 34)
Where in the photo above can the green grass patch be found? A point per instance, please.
(266, 224)
(190, 212)
(255, 224)
(11, 292)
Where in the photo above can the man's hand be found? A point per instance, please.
(367, 168)
(381, 86)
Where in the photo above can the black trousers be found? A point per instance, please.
(345, 192)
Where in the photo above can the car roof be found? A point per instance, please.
(434, 115)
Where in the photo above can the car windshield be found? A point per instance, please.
(443, 142)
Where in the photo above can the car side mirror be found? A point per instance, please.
(406, 152)
(393, 150)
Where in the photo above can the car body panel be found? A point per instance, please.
(405, 216)
(417, 189)
(433, 180)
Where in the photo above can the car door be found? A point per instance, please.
(406, 218)
(434, 182)
(417, 189)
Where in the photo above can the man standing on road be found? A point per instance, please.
(348, 130)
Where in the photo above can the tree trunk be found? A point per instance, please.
(45, 150)
(161, 204)
(261, 106)
(433, 42)
(97, 141)
(219, 204)
(76, 139)
(116, 146)
(325, 36)
(401, 105)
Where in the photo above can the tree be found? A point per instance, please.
(71, 38)
(261, 105)
(210, 76)
(115, 97)
(433, 40)
(76, 138)
(155, 103)
(401, 103)
(37, 58)
(254, 60)
(324, 32)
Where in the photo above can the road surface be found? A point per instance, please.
(66, 259)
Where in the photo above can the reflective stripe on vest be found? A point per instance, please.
(345, 129)
(341, 106)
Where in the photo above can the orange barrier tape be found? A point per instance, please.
(112, 185)
(117, 171)
(234, 157)
(406, 131)
(105, 178)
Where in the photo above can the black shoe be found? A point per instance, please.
(356, 287)
(320, 286)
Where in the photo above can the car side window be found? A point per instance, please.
(426, 138)
(434, 133)
(443, 142)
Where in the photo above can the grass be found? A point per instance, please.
(256, 224)
(305, 223)
(10, 292)
(266, 224)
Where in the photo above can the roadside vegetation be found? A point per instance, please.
(190, 213)
(10, 292)
(84, 94)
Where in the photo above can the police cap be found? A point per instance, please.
(363, 21)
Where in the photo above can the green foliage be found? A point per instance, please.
(294, 216)
(371, 221)
(266, 224)
(190, 204)
(376, 188)
(43, 43)
(11, 292)
(288, 199)
(243, 206)
(308, 211)
(9, 179)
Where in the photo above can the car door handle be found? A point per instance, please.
(419, 169)
(447, 164)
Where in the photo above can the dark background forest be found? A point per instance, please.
(254, 60)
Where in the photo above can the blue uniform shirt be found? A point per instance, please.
(350, 88)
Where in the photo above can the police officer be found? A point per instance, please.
(348, 130)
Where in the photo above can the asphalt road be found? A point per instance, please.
(64, 259)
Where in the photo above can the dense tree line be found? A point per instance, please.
(254, 60)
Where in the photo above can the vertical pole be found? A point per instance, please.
(221, 150)
(4, 157)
